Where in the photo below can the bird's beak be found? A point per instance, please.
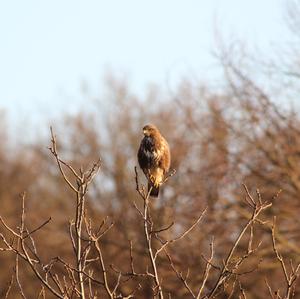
(144, 131)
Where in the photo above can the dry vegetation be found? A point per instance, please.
(226, 224)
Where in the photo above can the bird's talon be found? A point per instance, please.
(152, 178)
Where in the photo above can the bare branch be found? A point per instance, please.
(207, 269)
(290, 278)
(179, 275)
(257, 208)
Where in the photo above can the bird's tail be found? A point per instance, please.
(154, 191)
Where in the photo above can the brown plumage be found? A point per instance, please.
(154, 158)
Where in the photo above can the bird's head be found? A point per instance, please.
(149, 130)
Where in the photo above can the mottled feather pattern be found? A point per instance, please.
(147, 152)
(154, 157)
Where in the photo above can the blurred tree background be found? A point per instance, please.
(245, 131)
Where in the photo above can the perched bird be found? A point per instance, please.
(154, 158)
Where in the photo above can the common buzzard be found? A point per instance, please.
(154, 158)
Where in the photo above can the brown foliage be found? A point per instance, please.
(78, 234)
(134, 252)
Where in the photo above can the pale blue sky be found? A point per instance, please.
(48, 47)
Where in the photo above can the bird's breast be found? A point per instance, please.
(151, 151)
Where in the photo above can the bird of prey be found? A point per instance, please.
(154, 158)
